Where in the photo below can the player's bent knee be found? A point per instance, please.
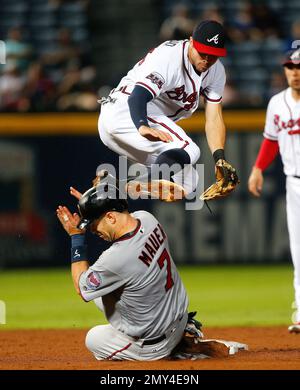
(93, 339)
(96, 341)
(105, 137)
(89, 340)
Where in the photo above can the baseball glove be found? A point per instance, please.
(226, 181)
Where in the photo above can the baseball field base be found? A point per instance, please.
(206, 349)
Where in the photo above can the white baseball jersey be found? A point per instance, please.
(283, 125)
(168, 75)
(137, 281)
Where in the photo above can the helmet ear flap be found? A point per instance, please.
(83, 223)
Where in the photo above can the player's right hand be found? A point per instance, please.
(155, 135)
(255, 182)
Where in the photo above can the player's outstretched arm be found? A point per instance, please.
(226, 176)
(214, 127)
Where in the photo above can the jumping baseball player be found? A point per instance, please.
(282, 135)
(135, 282)
(138, 119)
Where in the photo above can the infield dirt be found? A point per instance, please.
(269, 348)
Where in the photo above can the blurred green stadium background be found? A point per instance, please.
(223, 296)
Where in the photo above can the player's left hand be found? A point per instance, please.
(226, 172)
(69, 221)
(226, 181)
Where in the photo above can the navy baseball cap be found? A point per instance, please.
(209, 38)
(292, 57)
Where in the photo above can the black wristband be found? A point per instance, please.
(219, 154)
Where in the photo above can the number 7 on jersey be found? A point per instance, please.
(162, 258)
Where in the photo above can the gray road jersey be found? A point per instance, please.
(141, 290)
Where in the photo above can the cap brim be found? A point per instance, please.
(215, 51)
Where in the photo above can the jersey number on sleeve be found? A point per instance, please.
(162, 258)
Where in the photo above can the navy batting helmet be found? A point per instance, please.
(98, 200)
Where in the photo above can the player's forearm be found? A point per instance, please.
(77, 269)
(78, 258)
(215, 134)
(214, 127)
(137, 103)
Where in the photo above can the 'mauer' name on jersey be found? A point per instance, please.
(154, 242)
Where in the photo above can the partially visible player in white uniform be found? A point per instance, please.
(282, 135)
(135, 282)
(138, 119)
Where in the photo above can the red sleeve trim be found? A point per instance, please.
(267, 153)
(147, 86)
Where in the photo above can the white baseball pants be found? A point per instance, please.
(118, 133)
(293, 220)
(106, 343)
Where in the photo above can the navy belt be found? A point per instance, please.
(158, 339)
(297, 177)
(155, 341)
